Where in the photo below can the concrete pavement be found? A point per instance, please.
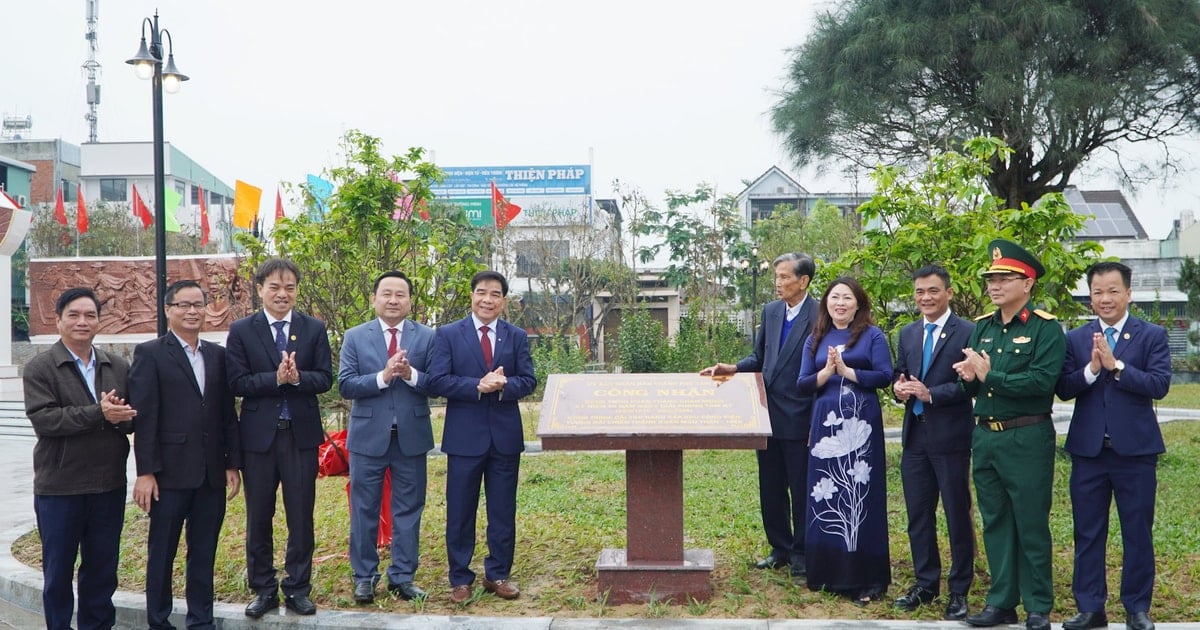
(20, 586)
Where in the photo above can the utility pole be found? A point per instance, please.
(91, 68)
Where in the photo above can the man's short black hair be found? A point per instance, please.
(72, 294)
(180, 285)
(275, 265)
(1101, 268)
(393, 274)
(933, 270)
(491, 275)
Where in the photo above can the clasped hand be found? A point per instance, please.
(975, 365)
(493, 381)
(286, 373)
(397, 367)
(906, 387)
(1102, 354)
(115, 409)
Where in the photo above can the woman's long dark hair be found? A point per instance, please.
(858, 325)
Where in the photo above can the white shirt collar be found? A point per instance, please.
(1120, 325)
(287, 319)
(939, 322)
(793, 311)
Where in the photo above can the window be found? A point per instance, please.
(113, 190)
(536, 258)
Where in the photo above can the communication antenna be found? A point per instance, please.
(91, 67)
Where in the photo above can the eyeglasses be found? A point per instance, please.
(187, 306)
(1003, 279)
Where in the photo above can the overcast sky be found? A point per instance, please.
(667, 94)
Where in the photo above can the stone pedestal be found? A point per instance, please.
(653, 417)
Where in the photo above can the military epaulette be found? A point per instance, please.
(985, 316)
(1043, 314)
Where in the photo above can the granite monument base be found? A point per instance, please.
(622, 582)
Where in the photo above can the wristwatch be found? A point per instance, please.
(1117, 369)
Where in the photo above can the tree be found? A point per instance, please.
(112, 232)
(343, 252)
(944, 215)
(897, 80)
(700, 242)
(1189, 283)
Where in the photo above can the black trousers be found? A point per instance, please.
(203, 511)
(783, 496)
(928, 476)
(262, 474)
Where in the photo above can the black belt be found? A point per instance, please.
(996, 424)
(919, 417)
(394, 429)
(1108, 443)
(283, 424)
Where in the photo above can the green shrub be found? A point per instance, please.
(556, 354)
(641, 342)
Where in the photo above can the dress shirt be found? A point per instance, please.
(196, 358)
(793, 311)
(88, 371)
(939, 324)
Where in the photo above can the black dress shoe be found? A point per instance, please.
(1037, 621)
(364, 592)
(300, 604)
(771, 562)
(916, 597)
(1085, 620)
(992, 616)
(261, 604)
(798, 570)
(406, 590)
(1139, 621)
(956, 610)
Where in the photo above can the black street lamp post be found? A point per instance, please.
(148, 64)
(754, 266)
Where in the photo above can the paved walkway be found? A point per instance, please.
(20, 586)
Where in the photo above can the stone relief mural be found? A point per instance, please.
(126, 290)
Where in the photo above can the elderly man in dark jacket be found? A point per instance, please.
(75, 400)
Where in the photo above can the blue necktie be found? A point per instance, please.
(926, 356)
(281, 345)
(1111, 333)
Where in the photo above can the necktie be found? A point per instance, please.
(392, 343)
(926, 355)
(281, 345)
(1111, 333)
(485, 344)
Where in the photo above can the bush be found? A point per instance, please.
(556, 354)
(699, 344)
(641, 342)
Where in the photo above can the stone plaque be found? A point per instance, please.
(653, 412)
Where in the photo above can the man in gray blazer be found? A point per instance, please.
(382, 370)
(783, 465)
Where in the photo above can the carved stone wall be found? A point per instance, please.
(126, 290)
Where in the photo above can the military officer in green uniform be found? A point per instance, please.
(1011, 364)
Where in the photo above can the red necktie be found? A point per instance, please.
(485, 344)
(392, 343)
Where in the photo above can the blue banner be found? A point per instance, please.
(541, 181)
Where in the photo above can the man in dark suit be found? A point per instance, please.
(278, 361)
(937, 443)
(383, 372)
(1116, 367)
(186, 447)
(482, 366)
(783, 465)
(75, 400)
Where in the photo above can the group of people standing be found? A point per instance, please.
(977, 402)
(195, 451)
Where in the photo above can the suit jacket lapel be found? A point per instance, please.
(773, 317)
(938, 343)
(471, 338)
(266, 335)
(1127, 337)
(212, 370)
(179, 355)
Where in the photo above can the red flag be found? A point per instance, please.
(81, 222)
(140, 210)
(60, 213)
(502, 210)
(278, 206)
(203, 219)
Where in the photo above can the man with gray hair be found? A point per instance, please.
(783, 465)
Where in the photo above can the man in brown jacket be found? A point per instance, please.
(75, 400)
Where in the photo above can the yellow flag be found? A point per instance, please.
(245, 204)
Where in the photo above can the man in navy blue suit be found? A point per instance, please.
(482, 366)
(1116, 367)
(783, 465)
(278, 361)
(382, 371)
(938, 422)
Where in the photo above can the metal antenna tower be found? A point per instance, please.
(91, 67)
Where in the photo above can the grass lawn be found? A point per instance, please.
(572, 505)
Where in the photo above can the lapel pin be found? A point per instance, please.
(1126, 335)
(293, 337)
(943, 336)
